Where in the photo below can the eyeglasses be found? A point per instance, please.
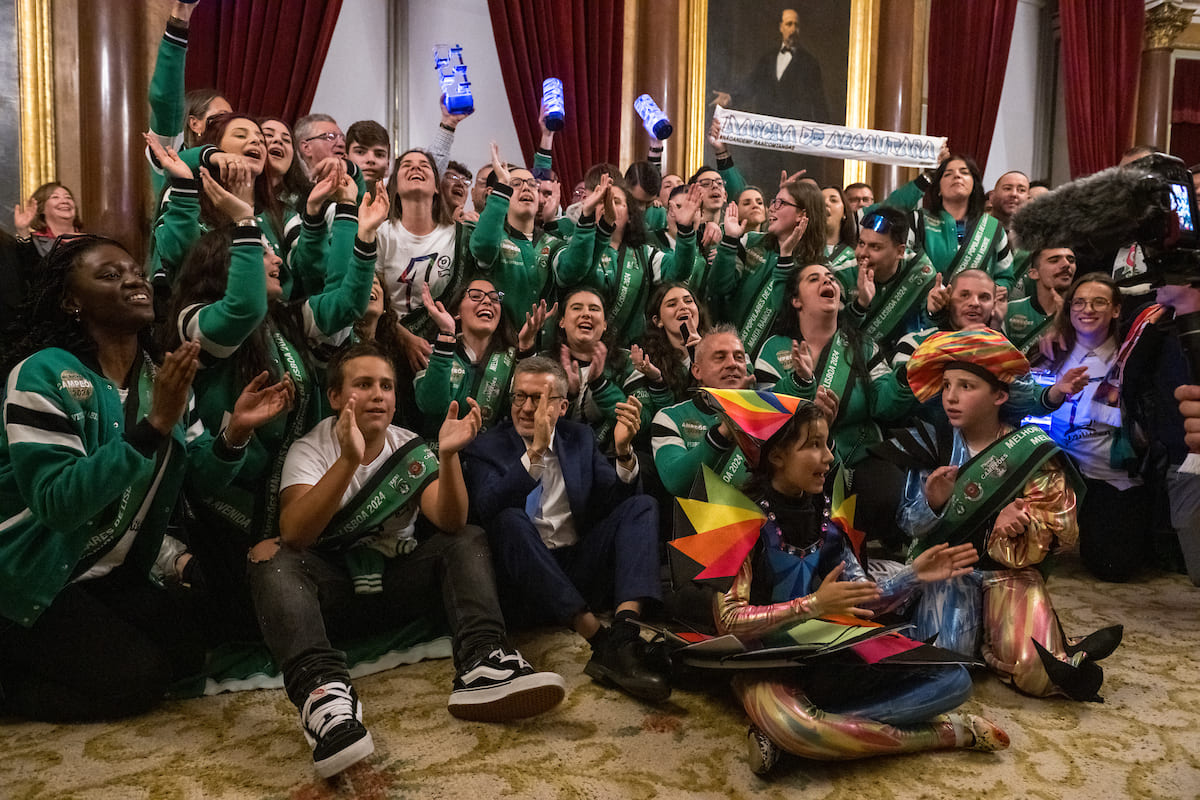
(476, 295)
(708, 183)
(1094, 303)
(519, 398)
(450, 176)
(329, 137)
(517, 183)
(777, 202)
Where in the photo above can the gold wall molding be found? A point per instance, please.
(1164, 23)
(35, 59)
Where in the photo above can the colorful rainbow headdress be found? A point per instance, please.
(754, 415)
(984, 352)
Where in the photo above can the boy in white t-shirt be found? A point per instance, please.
(347, 557)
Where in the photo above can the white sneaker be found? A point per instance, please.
(332, 723)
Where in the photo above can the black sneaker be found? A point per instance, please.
(332, 723)
(503, 686)
(619, 659)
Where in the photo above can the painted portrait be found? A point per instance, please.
(782, 59)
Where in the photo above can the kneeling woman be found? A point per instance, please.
(828, 710)
(98, 438)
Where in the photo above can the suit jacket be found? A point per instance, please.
(799, 93)
(496, 479)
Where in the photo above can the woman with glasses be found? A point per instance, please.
(949, 222)
(474, 354)
(761, 263)
(625, 268)
(1095, 429)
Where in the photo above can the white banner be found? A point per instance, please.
(829, 141)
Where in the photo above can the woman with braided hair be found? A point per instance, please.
(99, 436)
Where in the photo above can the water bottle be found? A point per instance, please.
(452, 72)
(552, 99)
(656, 122)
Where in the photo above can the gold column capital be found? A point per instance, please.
(1164, 23)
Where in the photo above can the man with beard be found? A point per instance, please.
(969, 302)
(1052, 269)
(1010, 193)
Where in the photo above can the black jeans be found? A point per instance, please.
(300, 595)
(105, 648)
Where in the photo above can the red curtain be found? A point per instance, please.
(1185, 111)
(1101, 56)
(264, 56)
(968, 55)
(579, 42)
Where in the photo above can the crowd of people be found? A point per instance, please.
(344, 391)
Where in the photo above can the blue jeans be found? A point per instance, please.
(298, 593)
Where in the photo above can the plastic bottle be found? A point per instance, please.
(452, 72)
(656, 122)
(552, 99)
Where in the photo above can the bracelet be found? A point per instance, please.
(445, 127)
(627, 457)
(244, 221)
(231, 445)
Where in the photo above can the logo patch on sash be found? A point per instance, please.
(996, 466)
(926, 269)
(973, 491)
(416, 469)
(79, 387)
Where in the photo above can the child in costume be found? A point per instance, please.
(1012, 494)
(802, 568)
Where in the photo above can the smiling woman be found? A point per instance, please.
(98, 435)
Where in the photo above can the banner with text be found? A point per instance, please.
(829, 141)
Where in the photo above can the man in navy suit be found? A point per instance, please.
(569, 533)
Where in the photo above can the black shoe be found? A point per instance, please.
(1098, 645)
(1077, 682)
(503, 686)
(618, 660)
(332, 723)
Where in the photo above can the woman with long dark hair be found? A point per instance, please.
(475, 352)
(674, 320)
(230, 300)
(764, 261)
(949, 221)
(625, 268)
(100, 435)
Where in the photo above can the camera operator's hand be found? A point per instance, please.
(1188, 396)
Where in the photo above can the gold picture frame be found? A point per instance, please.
(35, 56)
(860, 85)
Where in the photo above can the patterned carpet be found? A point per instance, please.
(1143, 742)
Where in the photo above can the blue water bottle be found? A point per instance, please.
(552, 99)
(656, 122)
(452, 72)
